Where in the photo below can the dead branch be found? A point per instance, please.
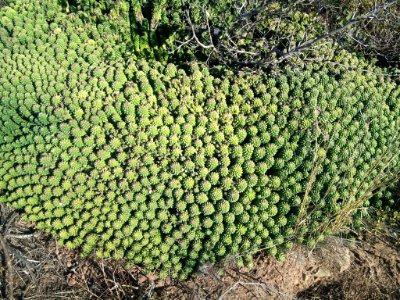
(255, 11)
(222, 42)
(266, 288)
(9, 269)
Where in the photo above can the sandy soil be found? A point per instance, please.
(368, 268)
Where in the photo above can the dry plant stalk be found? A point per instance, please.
(343, 217)
(9, 269)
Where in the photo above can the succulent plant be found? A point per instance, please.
(122, 157)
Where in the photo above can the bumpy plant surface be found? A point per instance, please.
(172, 167)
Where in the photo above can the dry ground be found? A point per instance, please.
(33, 266)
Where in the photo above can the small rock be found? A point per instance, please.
(323, 273)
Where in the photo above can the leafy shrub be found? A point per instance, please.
(224, 33)
(377, 36)
(250, 33)
(172, 168)
(148, 28)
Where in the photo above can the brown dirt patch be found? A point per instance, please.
(374, 272)
(368, 268)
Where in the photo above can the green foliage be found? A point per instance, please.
(225, 31)
(376, 37)
(171, 168)
(147, 27)
(387, 201)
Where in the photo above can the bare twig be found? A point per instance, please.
(228, 50)
(9, 268)
(267, 288)
(20, 236)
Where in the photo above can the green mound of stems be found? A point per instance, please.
(171, 168)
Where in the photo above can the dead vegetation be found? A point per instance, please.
(373, 274)
(370, 27)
